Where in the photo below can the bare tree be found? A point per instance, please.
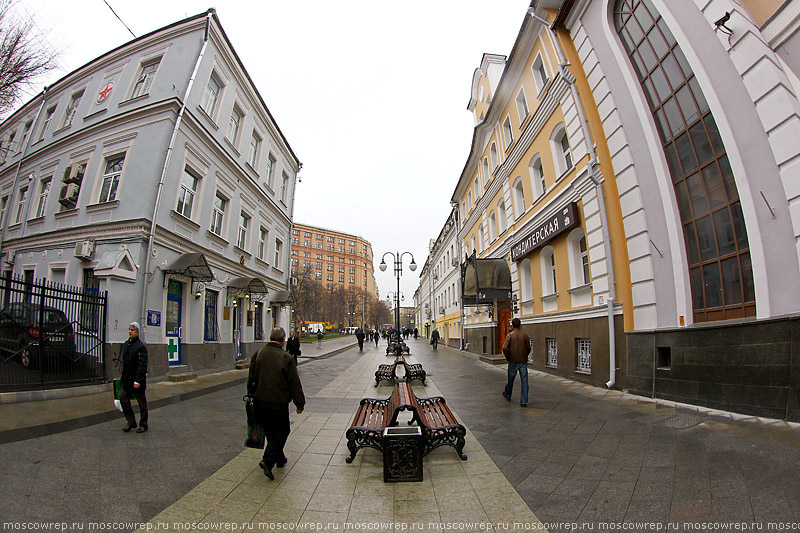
(22, 59)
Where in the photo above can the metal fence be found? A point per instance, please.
(50, 334)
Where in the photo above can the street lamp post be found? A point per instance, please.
(398, 271)
(390, 296)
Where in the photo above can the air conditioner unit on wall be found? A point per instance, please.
(84, 250)
(69, 193)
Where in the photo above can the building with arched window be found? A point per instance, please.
(698, 101)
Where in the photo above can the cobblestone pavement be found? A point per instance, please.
(578, 455)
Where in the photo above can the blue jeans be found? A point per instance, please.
(522, 368)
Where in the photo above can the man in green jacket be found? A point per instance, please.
(273, 383)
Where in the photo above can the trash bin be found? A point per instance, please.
(402, 454)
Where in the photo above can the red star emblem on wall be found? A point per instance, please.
(103, 94)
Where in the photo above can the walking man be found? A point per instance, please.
(293, 345)
(273, 382)
(516, 349)
(435, 338)
(134, 379)
(360, 338)
(319, 338)
(377, 337)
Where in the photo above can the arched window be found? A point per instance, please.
(548, 271)
(481, 239)
(537, 177)
(477, 190)
(713, 225)
(469, 199)
(525, 281)
(473, 247)
(501, 217)
(492, 227)
(519, 198)
(578, 258)
(560, 147)
(486, 176)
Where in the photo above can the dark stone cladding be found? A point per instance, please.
(566, 332)
(202, 359)
(750, 367)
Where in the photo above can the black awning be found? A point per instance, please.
(191, 265)
(485, 281)
(244, 286)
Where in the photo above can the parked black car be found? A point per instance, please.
(21, 335)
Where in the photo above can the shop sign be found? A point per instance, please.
(564, 220)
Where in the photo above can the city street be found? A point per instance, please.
(576, 455)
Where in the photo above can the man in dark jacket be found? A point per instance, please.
(360, 338)
(516, 349)
(293, 345)
(435, 338)
(273, 383)
(134, 379)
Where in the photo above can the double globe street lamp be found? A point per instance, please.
(398, 271)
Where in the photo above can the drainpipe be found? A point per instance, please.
(19, 166)
(151, 236)
(593, 163)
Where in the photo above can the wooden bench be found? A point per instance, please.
(388, 372)
(439, 425)
(374, 415)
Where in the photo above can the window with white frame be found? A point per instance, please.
(469, 199)
(147, 73)
(187, 192)
(501, 217)
(284, 187)
(72, 108)
(579, 257)
(278, 252)
(22, 199)
(3, 209)
(255, 147)
(525, 281)
(211, 329)
(25, 133)
(493, 155)
(44, 192)
(552, 352)
(481, 239)
(244, 223)
(583, 348)
(47, 118)
(211, 95)
(519, 197)
(477, 189)
(492, 226)
(537, 177)
(560, 147)
(234, 125)
(548, 271)
(263, 239)
(522, 106)
(111, 175)
(270, 170)
(508, 134)
(474, 246)
(218, 214)
(540, 77)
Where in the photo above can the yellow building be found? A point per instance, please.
(538, 193)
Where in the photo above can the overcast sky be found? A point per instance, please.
(372, 96)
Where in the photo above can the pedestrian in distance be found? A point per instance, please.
(435, 338)
(134, 379)
(516, 349)
(293, 345)
(319, 338)
(377, 338)
(416, 333)
(360, 338)
(273, 382)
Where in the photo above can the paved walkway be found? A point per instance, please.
(576, 456)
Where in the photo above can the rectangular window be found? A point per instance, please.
(330, 277)
(539, 74)
(23, 197)
(584, 355)
(244, 222)
(278, 252)
(255, 147)
(522, 106)
(210, 96)
(72, 108)
(234, 124)
(48, 117)
(552, 352)
(108, 193)
(585, 260)
(508, 135)
(270, 171)
(44, 192)
(211, 331)
(3, 209)
(147, 74)
(25, 134)
(258, 318)
(90, 308)
(218, 216)
(187, 193)
(284, 187)
(263, 236)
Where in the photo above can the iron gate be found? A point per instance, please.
(50, 334)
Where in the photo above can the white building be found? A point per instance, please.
(157, 173)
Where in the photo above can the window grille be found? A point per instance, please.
(584, 355)
(552, 352)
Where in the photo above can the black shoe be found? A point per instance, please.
(129, 427)
(142, 428)
(508, 398)
(523, 405)
(267, 471)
